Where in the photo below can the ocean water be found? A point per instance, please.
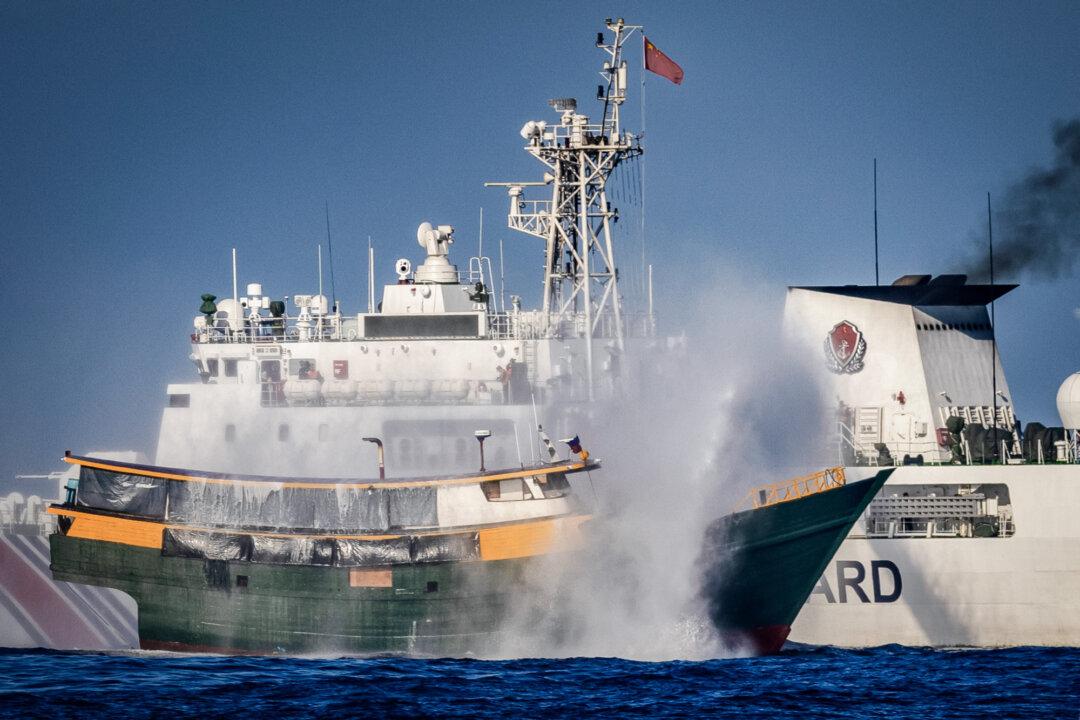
(889, 682)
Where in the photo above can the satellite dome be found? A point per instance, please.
(1068, 402)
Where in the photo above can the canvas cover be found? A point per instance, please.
(262, 505)
(131, 494)
(300, 550)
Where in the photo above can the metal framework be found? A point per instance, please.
(581, 293)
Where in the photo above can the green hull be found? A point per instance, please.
(759, 568)
(761, 565)
(238, 607)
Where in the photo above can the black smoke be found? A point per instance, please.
(1037, 222)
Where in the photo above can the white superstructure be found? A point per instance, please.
(973, 541)
(289, 386)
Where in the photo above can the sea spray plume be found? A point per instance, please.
(736, 410)
(1037, 222)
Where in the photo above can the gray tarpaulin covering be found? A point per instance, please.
(206, 545)
(361, 553)
(443, 548)
(132, 494)
(300, 550)
(265, 505)
(413, 507)
(270, 506)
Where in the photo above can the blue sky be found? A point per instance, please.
(139, 142)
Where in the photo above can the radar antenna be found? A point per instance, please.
(581, 294)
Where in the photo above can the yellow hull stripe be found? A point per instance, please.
(501, 542)
(526, 540)
(471, 480)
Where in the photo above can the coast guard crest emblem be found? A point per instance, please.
(845, 348)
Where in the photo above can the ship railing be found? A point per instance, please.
(954, 527)
(534, 325)
(588, 135)
(794, 489)
(270, 330)
(513, 325)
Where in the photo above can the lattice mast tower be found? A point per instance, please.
(581, 293)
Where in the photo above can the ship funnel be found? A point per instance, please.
(436, 241)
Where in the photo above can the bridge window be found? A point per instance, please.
(230, 367)
(212, 367)
(283, 432)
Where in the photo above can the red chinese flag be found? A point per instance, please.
(661, 64)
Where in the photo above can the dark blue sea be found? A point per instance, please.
(890, 682)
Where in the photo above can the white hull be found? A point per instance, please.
(960, 591)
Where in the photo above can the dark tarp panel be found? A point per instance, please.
(282, 551)
(362, 553)
(985, 442)
(413, 507)
(322, 552)
(1037, 436)
(444, 548)
(206, 545)
(300, 550)
(132, 494)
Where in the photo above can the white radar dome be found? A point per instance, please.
(1068, 402)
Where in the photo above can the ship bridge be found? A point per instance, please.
(913, 368)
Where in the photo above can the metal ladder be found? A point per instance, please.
(529, 352)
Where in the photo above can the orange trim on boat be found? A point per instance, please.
(471, 480)
(518, 539)
(526, 540)
(140, 533)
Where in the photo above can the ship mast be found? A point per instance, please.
(581, 294)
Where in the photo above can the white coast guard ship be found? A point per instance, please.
(289, 385)
(973, 541)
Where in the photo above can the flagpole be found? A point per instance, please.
(642, 161)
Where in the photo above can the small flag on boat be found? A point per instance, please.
(575, 447)
(661, 64)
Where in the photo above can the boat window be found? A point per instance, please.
(230, 432)
(230, 367)
(554, 485)
(179, 401)
(459, 451)
(283, 432)
(506, 490)
(212, 367)
(324, 432)
(301, 366)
